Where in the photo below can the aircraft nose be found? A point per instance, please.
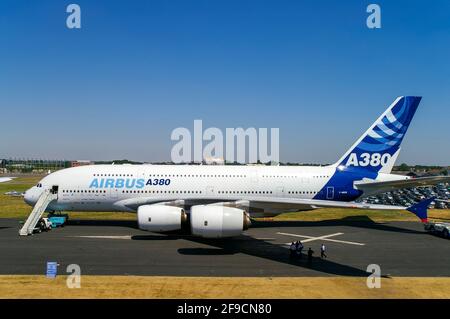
(30, 196)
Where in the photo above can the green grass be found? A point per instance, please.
(15, 207)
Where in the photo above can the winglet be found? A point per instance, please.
(420, 209)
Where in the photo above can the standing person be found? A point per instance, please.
(310, 255)
(299, 249)
(322, 251)
(292, 250)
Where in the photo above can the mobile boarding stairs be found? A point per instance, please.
(44, 200)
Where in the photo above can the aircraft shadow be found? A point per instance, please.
(257, 248)
(354, 221)
(274, 252)
(157, 237)
(206, 251)
(260, 248)
(91, 222)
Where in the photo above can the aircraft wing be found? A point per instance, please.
(289, 204)
(274, 205)
(372, 188)
(419, 209)
(264, 205)
(5, 179)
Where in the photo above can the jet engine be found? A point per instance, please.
(210, 221)
(160, 218)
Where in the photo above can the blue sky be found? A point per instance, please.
(136, 70)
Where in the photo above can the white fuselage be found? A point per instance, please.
(108, 187)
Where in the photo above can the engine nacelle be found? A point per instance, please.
(160, 218)
(210, 221)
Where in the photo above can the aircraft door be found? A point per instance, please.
(55, 189)
(210, 191)
(114, 193)
(330, 192)
(280, 191)
(254, 176)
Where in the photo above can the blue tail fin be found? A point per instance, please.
(420, 209)
(378, 148)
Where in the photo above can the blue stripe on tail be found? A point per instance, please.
(376, 147)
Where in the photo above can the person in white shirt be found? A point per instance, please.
(299, 248)
(322, 251)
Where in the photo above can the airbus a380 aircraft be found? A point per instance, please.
(218, 201)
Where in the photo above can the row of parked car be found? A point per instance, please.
(409, 196)
(439, 228)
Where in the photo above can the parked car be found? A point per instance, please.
(57, 221)
(42, 225)
(440, 205)
(442, 229)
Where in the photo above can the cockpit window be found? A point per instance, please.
(39, 185)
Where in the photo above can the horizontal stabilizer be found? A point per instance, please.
(420, 209)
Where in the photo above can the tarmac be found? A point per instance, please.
(120, 248)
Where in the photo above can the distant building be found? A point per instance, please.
(80, 163)
(214, 161)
